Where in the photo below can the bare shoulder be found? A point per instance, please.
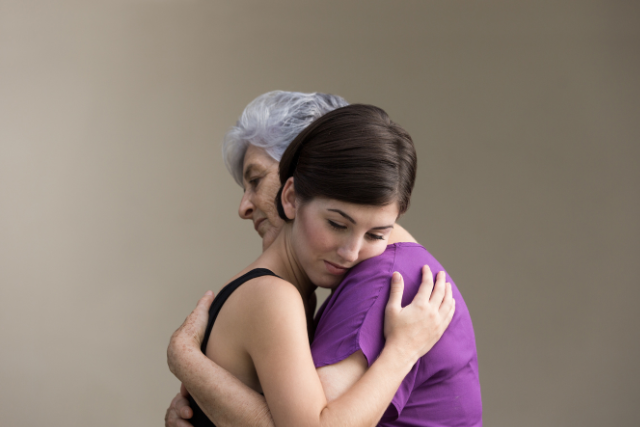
(268, 288)
(270, 313)
(267, 296)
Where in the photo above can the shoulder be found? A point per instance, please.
(260, 301)
(267, 293)
(373, 274)
(269, 311)
(394, 254)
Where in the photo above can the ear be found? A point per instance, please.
(288, 199)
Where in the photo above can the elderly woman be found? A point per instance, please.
(442, 389)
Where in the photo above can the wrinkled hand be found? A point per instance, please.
(188, 337)
(179, 411)
(417, 327)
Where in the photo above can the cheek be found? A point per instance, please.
(372, 250)
(319, 236)
(269, 198)
(265, 203)
(312, 237)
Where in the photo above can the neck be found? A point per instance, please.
(280, 258)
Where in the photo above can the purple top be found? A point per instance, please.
(443, 388)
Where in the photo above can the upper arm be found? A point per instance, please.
(339, 377)
(278, 344)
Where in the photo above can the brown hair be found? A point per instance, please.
(354, 154)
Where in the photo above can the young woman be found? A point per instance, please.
(345, 180)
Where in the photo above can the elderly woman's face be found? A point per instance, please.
(261, 184)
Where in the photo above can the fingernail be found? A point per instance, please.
(395, 277)
(209, 293)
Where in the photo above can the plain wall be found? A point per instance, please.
(116, 211)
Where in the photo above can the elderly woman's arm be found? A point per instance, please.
(335, 379)
(227, 401)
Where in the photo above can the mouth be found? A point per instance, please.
(335, 269)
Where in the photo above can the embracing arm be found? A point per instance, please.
(295, 396)
(223, 398)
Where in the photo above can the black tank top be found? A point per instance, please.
(199, 418)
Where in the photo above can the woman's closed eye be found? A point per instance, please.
(375, 236)
(370, 236)
(253, 182)
(336, 226)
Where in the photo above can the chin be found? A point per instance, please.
(329, 281)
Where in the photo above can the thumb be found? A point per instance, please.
(196, 323)
(204, 303)
(395, 295)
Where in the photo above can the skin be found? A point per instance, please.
(361, 405)
(261, 184)
(330, 237)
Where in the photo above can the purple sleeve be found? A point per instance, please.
(353, 319)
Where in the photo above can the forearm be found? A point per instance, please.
(221, 396)
(228, 402)
(366, 401)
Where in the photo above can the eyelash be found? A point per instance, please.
(336, 226)
(342, 227)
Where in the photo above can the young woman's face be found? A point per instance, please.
(330, 236)
(261, 183)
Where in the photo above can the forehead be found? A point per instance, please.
(257, 157)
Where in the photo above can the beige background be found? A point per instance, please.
(116, 212)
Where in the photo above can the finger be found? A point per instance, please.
(173, 420)
(183, 409)
(426, 286)
(204, 303)
(448, 296)
(395, 296)
(449, 316)
(438, 289)
(174, 400)
(186, 412)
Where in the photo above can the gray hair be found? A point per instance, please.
(272, 121)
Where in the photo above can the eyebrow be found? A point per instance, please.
(338, 211)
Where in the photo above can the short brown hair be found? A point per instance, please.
(354, 154)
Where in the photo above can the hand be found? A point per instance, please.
(188, 337)
(418, 326)
(179, 411)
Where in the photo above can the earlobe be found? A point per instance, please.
(288, 199)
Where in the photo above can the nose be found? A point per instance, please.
(245, 211)
(350, 250)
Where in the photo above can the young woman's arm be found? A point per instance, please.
(277, 342)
